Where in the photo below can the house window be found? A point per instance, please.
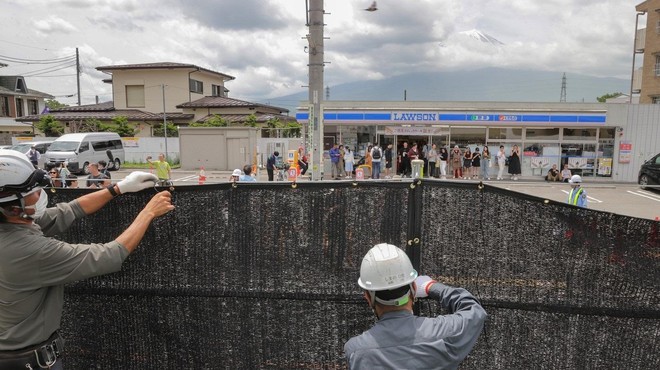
(657, 65)
(4, 106)
(655, 100)
(196, 86)
(657, 27)
(135, 96)
(19, 107)
(218, 90)
(33, 107)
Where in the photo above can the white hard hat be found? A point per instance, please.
(18, 176)
(575, 179)
(236, 172)
(385, 267)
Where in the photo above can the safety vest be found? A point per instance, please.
(574, 196)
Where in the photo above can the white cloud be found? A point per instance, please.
(54, 24)
(260, 42)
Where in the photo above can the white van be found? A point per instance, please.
(79, 150)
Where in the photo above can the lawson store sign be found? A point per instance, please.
(407, 117)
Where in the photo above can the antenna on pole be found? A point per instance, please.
(562, 97)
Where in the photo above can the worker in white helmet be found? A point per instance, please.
(34, 267)
(400, 340)
(577, 196)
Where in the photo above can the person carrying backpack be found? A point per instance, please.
(376, 155)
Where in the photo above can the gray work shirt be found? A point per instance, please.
(34, 269)
(400, 340)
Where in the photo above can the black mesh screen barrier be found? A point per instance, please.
(265, 276)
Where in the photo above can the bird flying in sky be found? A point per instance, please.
(372, 7)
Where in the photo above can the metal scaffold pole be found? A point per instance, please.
(315, 51)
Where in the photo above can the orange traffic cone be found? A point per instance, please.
(202, 175)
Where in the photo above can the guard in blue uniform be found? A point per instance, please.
(577, 196)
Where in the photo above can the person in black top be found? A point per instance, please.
(388, 160)
(271, 165)
(404, 160)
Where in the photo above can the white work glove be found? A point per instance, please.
(137, 181)
(423, 284)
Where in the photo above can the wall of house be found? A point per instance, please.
(177, 88)
(650, 81)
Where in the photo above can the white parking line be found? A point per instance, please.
(187, 178)
(589, 199)
(653, 197)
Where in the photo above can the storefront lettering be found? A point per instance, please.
(415, 117)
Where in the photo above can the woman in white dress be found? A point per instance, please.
(348, 162)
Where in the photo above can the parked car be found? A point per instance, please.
(41, 146)
(649, 173)
(81, 149)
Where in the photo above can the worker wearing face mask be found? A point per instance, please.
(34, 267)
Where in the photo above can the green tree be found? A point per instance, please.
(215, 121)
(54, 104)
(292, 129)
(601, 99)
(172, 130)
(123, 128)
(251, 120)
(90, 125)
(50, 126)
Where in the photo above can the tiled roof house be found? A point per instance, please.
(191, 93)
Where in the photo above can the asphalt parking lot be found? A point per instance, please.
(621, 198)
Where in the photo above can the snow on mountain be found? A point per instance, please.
(481, 36)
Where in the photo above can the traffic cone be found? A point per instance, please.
(202, 175)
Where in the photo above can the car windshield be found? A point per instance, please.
(63, 146)
(23, 148)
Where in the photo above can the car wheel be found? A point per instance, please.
(117, 165)
(643, 181)
(85, 168)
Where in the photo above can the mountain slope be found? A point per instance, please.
(489, 84)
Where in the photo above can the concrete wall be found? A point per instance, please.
(138, 148)
(217, 148)
(640, 125)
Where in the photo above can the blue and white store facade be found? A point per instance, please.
(596, 140)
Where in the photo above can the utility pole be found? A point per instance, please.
(562, 97)
(164, 121)
(315, 39)
(78, 74)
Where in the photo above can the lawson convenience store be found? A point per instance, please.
(547, 133)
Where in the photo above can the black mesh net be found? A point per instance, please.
(264, 276)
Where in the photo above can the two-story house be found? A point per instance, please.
(180, 93)
(17, 101)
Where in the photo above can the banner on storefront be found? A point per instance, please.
(416, 131)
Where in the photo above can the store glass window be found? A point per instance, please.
(581, 158)
(605, 152)
(468, 136)
(508, 133)
(542, 133)
(588, 134)
(538, 158)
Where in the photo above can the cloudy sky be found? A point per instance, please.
(260, 42)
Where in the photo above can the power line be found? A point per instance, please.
(26, 46)
(36, 61)
(54, 68)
